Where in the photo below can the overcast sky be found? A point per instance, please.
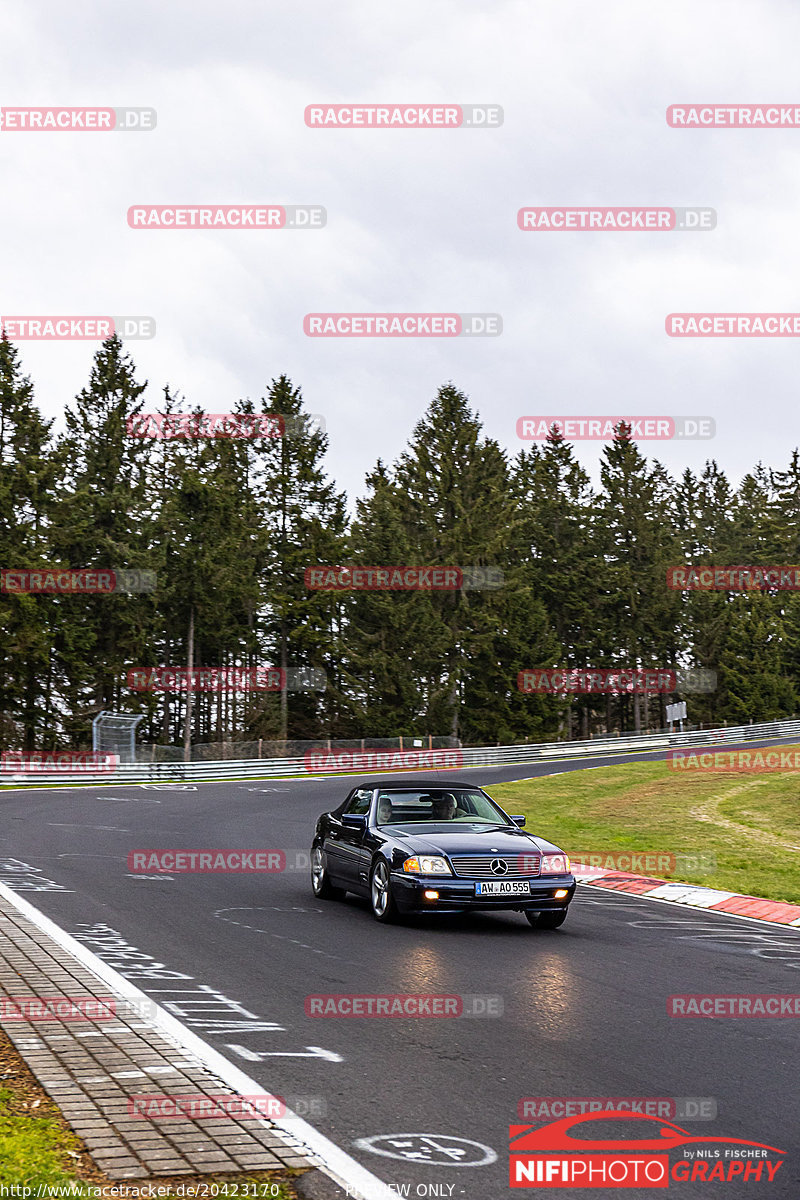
(418, 220)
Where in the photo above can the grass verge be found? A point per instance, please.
(747, 821)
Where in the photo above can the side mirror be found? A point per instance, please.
(520, 821)
(354, 820)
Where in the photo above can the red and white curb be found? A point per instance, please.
(773, 912)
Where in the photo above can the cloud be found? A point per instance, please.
(418, 220)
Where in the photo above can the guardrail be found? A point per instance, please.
(380, 761)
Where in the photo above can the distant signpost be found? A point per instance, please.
(676, 712)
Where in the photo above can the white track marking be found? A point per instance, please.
(259, 1055)
(169, 787)
(427, 1143)
(336, 1163)
(130, 799)
(79, 825)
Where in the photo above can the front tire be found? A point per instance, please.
(382, 901)
(546, 920)
(321, 884)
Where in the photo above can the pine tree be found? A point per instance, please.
(214, 548)
(27, 476)
(707, 536)
(448, 502)
(380, 660)
(756, 686)
(637, 545)
(787, 506)
(99, 523)
(306, 520)
(556, 533)
(786, 503)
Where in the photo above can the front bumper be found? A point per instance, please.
(458, 895)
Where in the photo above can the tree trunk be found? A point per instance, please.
(284, 729)
(187, 728)
(165, 716)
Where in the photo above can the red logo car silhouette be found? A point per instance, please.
(558, 1137)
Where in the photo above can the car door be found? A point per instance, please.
(365, 851)
(343, 842)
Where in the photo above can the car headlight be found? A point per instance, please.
(555, 864)
(427, 864)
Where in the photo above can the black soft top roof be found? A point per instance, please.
(416, 785)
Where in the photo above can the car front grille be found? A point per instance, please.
(479, 866)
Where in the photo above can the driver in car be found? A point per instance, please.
(444, 807)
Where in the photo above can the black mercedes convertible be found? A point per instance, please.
(416, 848)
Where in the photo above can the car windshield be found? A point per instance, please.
(453, 806)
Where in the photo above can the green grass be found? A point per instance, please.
(32, 1148)
(748, 821)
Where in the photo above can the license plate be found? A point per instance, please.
(503, 887)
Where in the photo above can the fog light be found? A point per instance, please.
(429, 894)
(560, 894)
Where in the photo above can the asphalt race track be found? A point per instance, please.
(584, 1007)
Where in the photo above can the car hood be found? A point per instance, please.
(491, 840)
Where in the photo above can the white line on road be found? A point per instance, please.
(258, 1055)
(169, 787)
(80, 825)
(359, 1182)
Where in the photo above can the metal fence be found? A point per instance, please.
(377, 759)
(265, 749)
